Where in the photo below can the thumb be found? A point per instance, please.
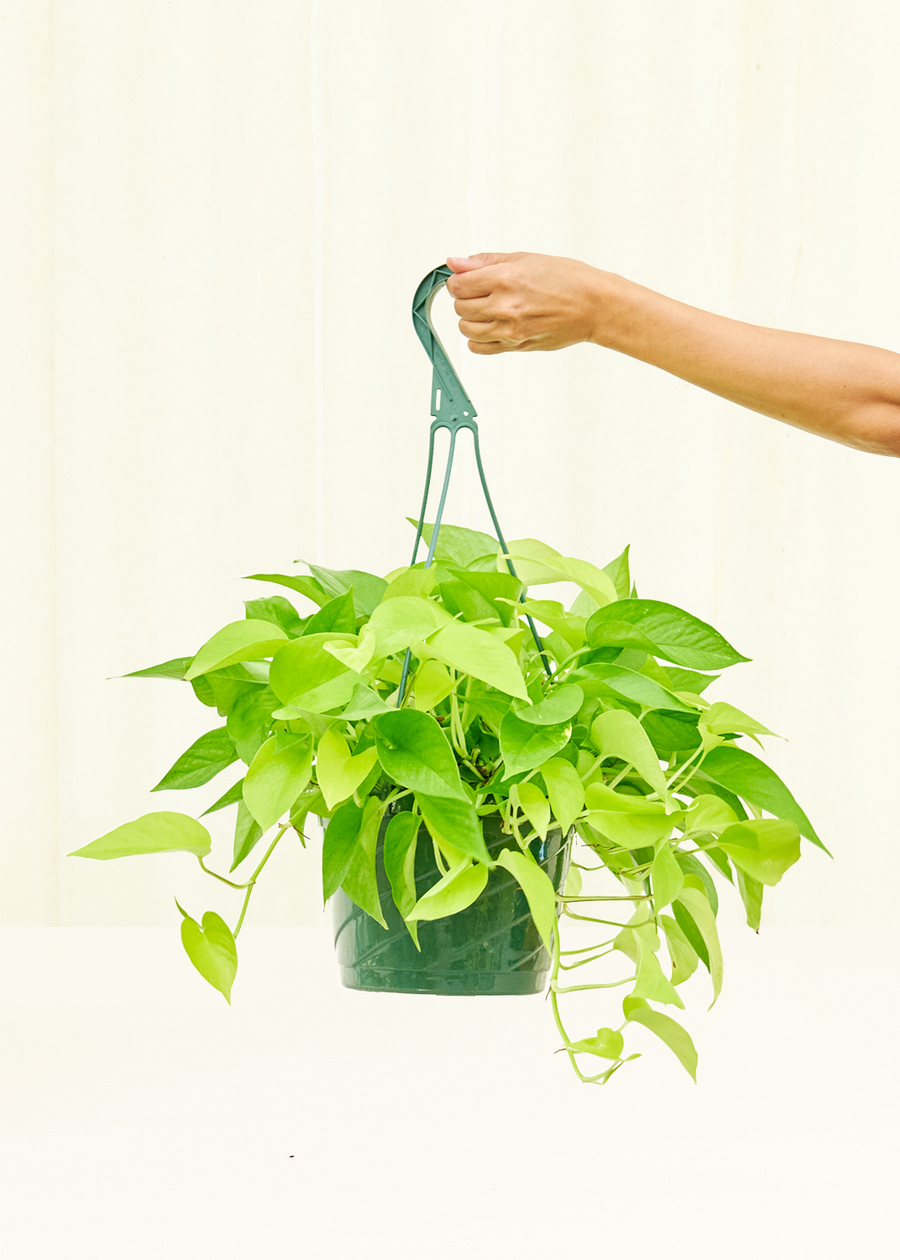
(474, 261)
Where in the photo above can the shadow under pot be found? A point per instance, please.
(491, 947)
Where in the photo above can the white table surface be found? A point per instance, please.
(145, 1120)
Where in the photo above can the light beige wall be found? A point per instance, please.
(217, 213)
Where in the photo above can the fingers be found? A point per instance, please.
(487, 347)
(474, 261)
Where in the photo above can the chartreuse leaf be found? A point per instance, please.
(689, 680)
(414, 751)
(459, 546)
(209, 754)
(524, 746)
(368, 590)
(671, 632)
(399, 855)
(708, 813)
(277, 609)
(683, 955)
(651, 983)
(536, 563)
(248, 640)
(358, 657)
(360, 881)
(607, 1044)
(363, 702)
(338, 614)
(341, 836)
(338, 773)
(748, 777)
(305, 675)
(752, 896)
(453, 892)
(168, 669)
(552, 614)
(303, 585)
(432, 684)
(666, 1028)
(722, 718)
(411, 581)
(250, 719)
(700, 911)
(247, 833)
(762, 849)
(211, 948)
(617, 571)
(630, 821)
(455, 822)
(559, 706)
(565, 790)
(480, 654)
(618, 733)
(534, 805)
(666, 878)
(163, 832)
(231, 797)
(630, 685)
(398, 621)
(276, 778)
(538, 890)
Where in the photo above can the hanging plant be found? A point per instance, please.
(490, 767)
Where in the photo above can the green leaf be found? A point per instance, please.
(752, 896)
(630, 685)
(276, 778)
(559, 706)
(360, 882)
(536, 563)
(247, 833)
(688, 680)
(231, 797)
(398, 621)
(565, 790)
(163, 832)
(368, 590)
(456, 823)
(459, 546)
(239, 641)
(250, 720)
(762, 849)
(358, 657)
(672, 633)
(169, 669)
(534, 805)
(617, 571)
(538, 890)
(691, 866)
(338, 614)
(339, 774)
(454, 892)
(432, 684)
(364, 703)
(341, 835)
(461, 599)
(675, 1037)
(399, 854)
(480, 654)
(698, 907)
(414, 751)
(708, 814)
(205, 758)
(671, 732)
(501, 590)
(304, 675)
(666, 878)
(211, 948)
(303, 585)
(630, 821)
(748, 777)
(608, 1044)
(280, 611)
(722, 718)
(651, 984)
(619, 734)
(682, 953)
(524, 746)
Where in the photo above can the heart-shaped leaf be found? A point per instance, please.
(211, 948)
(163, 832)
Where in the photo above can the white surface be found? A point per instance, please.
(219, 214)
(144, 1119)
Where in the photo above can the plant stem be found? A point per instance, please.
(253, 878)
(229, 882)
(577, 988)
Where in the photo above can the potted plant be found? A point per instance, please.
(485, 786)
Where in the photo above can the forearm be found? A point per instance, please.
(838, 389)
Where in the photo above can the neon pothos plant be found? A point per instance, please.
(608, 734)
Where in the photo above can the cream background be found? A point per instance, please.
(214, 216)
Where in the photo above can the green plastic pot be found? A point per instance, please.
(492, 947)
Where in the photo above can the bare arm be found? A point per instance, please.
(840, 390)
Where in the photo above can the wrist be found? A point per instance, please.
(615, 307)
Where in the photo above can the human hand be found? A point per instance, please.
(525, 301)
